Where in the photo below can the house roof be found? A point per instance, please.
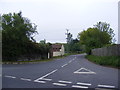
(56, 47)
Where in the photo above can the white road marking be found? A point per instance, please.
(40, 81)
(69, 61)
(64, 65)
(9, 76)
(106, 86)
(87, 71)
(25, 79)
(59, 84)
(46, 79)
(43, 77)
(61, 81)
(84, 83)
(76, 86)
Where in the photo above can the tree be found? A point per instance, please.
(69, 40)
(105, 27)
(75, 46)
(45, 48)
(94, 38)
(17, 33)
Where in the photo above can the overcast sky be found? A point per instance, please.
(52, 17)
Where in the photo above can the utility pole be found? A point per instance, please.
(67, 34)
(67, 46)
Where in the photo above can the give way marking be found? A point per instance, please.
(43, 77)
(84, 71)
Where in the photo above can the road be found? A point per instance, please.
(70, 72)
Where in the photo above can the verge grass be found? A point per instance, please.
(35, 61)
(112, 61)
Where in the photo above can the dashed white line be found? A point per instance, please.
(61, 81)
(9, 76)
(59, 84)
(107, 86)
(25, 79)
(76, 86)
(69, 62)
(84, 84)
(64, 65)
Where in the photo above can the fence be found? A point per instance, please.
(107, 51)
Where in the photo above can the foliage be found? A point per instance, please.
(74, 46)
(45, 48)
(17, 37)
(94, 38)
(105, 27)
(105, 60)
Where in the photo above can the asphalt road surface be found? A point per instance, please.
(70, 72)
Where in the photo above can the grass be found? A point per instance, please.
(112, 61)
(30, 61)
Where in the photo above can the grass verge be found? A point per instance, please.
(36, 61)
(112, 61)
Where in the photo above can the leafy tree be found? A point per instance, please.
(94, 38)
(105, 27)
(17, 34)
(69, 40)
(75, 46)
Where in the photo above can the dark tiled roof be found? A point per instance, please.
(56, 47)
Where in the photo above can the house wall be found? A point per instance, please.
(59, 53)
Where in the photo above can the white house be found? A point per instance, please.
(57, 50)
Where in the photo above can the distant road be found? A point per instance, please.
(71, 72)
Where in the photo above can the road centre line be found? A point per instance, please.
(59, 84)
(76, 86)
(43, 77)
(69, 62)
(108, 86)
(64, 65)
(9, 76)
(84, 83)
(25, 79)
(61, 81)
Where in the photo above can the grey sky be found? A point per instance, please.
(53, 16)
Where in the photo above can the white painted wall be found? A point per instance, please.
(60, 53)
(57, 54)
